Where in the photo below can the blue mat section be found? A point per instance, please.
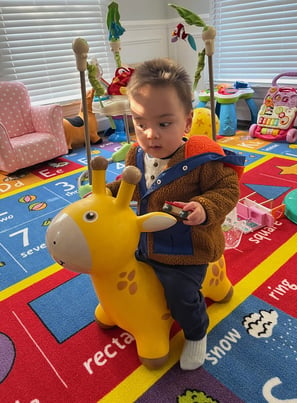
(72, 307)
(250, 156)
(22, 246)
(281, 148)
(24, 223)
(260, 334)
(268, 191)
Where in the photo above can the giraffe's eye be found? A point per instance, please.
(90, 216)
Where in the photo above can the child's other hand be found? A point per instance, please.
(197, 213)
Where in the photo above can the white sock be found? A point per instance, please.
(193, 354)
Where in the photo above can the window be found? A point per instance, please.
(255, 41)
(36, 45)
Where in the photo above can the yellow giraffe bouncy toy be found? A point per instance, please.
(99, 235)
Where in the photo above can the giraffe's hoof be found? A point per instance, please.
(227, 297)
(103, 325)
(154, 363)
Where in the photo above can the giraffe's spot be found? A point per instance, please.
(131, 275)
(215, 270)
(218, 273)
(122, 285)
(133, 288)
(221, 263)
(166, 316)
(127, 282)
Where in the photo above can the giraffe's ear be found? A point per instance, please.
(155, 221)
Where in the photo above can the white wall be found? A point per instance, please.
(142, 9)
(149, 39)
(197, 6)
(143, 40)
(149, 24)
(158, 9)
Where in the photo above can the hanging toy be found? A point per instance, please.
(98, 83)
(95, 77)
(115, 30)
(180, 33)
(208, 36)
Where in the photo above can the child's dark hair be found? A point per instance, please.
(162, 72)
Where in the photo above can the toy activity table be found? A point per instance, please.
(117, 107)
(226, 99)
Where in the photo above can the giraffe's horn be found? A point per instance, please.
(130, 177)
(99, 166)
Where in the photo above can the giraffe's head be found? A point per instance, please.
(100, 231)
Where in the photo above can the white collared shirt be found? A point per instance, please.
(153, 167)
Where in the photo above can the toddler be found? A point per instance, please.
(195, 172)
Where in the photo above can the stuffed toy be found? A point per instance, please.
(120, 81)
(74, 128)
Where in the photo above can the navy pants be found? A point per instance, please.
(182, 286)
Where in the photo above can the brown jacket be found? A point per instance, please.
(197, 171)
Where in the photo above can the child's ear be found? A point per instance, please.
(189, 120)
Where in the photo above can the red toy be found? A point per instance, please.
(278, 113)
(120, 81)
(175, 209)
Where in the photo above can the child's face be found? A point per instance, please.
(159, 119)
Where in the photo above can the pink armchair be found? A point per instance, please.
(28, 134)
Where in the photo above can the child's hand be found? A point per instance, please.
(197, 213)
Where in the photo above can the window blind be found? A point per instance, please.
(256, 40)
(36, 45)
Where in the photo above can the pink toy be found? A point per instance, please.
(256, 214)
(249, 216)
(278, 113)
